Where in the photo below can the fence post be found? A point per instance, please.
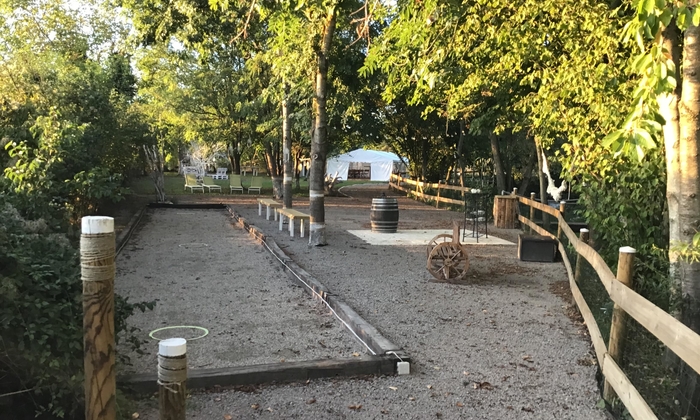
(616, 345)
(562, 208)
(583, 236)
(172, 377)
(97, 251)
(532, 211)
(437, 202)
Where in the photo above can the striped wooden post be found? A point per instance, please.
(97, 251)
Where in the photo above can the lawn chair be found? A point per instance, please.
(191, 183)
(235, 183)
(256, 184)
(221, 173)
(210, 185)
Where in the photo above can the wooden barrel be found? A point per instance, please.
(384, 216)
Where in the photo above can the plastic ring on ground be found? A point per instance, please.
(204, 330)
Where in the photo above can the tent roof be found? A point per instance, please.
(362, 155)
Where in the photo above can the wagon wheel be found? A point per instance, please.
(439, 239)
(448, 261)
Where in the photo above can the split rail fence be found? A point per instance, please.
(674, 335)
(418, 188)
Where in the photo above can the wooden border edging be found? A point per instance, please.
(202, 206)
(270, 373)
(129, 229)
(364, 330)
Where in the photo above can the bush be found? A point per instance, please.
(41, 338)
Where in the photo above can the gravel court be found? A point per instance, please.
(497, 346)
(206, 272)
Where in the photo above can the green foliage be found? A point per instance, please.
(41, 344)
(624, 205)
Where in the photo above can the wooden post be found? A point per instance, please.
(437, 201)
(515, 191)
(505, 211)
(532, 210)
(97, 251)
(562, 208)
(583, 236)
(172, 378)
(618, 327)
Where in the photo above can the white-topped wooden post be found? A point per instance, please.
(584, 236)
(97, 251)
(618, 326)
(172, 378)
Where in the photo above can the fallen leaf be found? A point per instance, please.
(430, 387)
(483, 385)
(311, 401)
(459, 404)
(255, 406)
(393, 388)
(135, 415)
(227, 417)
(411, 399)
(217, 399)
(383, 411)
(466, 373)
(355, 407)
(269, 409)
(356, 354)
(528, 409)
(438, 415)
(281, 360)
(527, 357)
(436, 367)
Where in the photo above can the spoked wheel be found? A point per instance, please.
(439, 239)
(448, 261)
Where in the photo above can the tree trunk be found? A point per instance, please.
(286, 150)
(668, 107)
(689, 204)
(460, 146)
(497, 163)
(527, 173)
(274, 167)
(317, 224)
(543, 183)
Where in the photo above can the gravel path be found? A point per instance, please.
(205, 272)
(497, 346)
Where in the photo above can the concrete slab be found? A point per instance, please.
(414, 237)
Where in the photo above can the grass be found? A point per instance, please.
(175, 184)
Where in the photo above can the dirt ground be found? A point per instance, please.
(498, 345)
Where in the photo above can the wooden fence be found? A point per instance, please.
(684, 342)
(676, 336)
(417, 188)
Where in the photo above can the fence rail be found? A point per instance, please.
(676, 336)
(400, 183)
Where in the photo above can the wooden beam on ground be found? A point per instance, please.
(146, 383)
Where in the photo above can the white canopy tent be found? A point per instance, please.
(381, 163)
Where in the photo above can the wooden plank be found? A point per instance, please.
(269, 373)
(593, 330)
(534, 226)
(628, 394)
(440, 199)
(676, 336)
(543, 207)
